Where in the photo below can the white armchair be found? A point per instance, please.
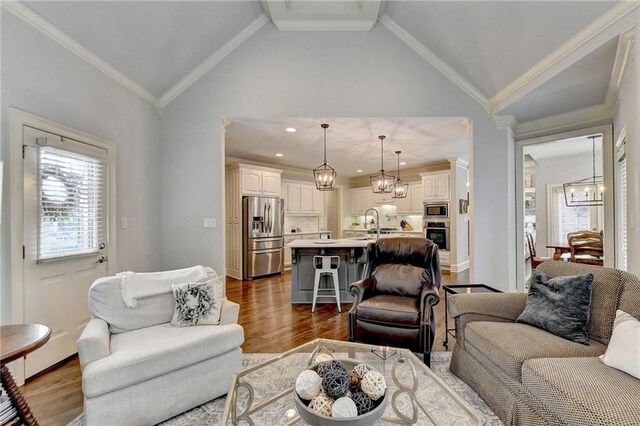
(137, 369)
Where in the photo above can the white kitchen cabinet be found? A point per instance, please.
(356, 201)
(251, 182)
(271, 184)
(436, 186)
(293, 198)
(306, 199)
(404, 205)
(317, 206)
(415, 192)
(367, 199)
(379, 199)
(260, 182)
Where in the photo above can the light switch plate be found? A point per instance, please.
(124, 222)
(209, 222)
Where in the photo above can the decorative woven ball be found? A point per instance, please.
(364, 404)
(335, 383)
(308, 384)
(329, 367)
(354, 380)
(373, 384)
(344, 408)
(361, 370)
(322, 357)
(321, 404)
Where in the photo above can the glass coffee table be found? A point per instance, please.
(263, 394)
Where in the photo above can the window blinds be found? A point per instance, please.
(71, 197)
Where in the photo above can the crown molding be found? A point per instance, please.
(505, 121)
(591, 37)
(323, 25)
(434, 60)
(624, 57)
(586, 116)
(212, 61)
(28, 15)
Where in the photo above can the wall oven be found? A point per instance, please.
(436, 211)
(438, 232)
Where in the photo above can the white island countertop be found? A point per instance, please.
(340, 243)
(343, 242)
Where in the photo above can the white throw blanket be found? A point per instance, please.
(139, 285)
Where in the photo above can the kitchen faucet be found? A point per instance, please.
(377, 220)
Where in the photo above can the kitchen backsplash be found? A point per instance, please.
(388, 219)
(305, 223)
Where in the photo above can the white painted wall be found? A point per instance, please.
(41, 77)
(556, 172)
(318, 74)
(627, 114)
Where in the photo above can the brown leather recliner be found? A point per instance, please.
(393, 303)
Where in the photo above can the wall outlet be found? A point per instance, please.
(124, 222)
(209, 222)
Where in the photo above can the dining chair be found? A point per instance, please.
(586, 247)
(535, 260)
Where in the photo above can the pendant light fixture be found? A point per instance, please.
(324, 175)
(400, 189)
(382, 182)
(588, 191)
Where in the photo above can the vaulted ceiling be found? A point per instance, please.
(526, 59)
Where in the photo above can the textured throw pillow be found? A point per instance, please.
(559, 305)
(623, 352)
(198, 303)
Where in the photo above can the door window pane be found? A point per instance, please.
(571, 219)
(71, 188)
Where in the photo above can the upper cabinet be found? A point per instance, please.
(260, 181)
(435, 186)
(303, 199)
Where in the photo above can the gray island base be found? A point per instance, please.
(352, 260)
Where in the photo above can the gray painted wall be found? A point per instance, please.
(319, 74)
(41, 77)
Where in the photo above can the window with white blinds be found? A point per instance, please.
(622, 215)
(71, 201)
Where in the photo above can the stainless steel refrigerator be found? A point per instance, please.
(262, 236)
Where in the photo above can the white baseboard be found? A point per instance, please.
(459, 267)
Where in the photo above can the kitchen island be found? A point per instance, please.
(353, 257)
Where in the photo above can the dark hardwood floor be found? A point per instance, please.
(271, 324)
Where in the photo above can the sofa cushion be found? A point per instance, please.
(630, 297)
(508, 345)
(146, 353)
(390, 309)
(559, 305)
(583, 391)
(605, 293)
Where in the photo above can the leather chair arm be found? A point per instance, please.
(359, 290)
(428, 298)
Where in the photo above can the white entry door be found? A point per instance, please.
(65, 237)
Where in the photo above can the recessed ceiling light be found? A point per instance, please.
(279, 154)
(359, 171)
(290, 129)
(403, 163)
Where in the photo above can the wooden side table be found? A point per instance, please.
(16, 341)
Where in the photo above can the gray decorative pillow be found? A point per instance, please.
(559, 305)
(198, 303)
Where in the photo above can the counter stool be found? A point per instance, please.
(326, 265)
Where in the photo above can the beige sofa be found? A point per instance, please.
(137, 369)
(531, 377)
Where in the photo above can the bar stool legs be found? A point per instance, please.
(324, 265)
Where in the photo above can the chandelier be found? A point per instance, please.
(382, 182)
(324, 175)
(588, 191)
(400, 189)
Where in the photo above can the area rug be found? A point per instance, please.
(210, 413)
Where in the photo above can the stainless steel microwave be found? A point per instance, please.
(436, 210)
